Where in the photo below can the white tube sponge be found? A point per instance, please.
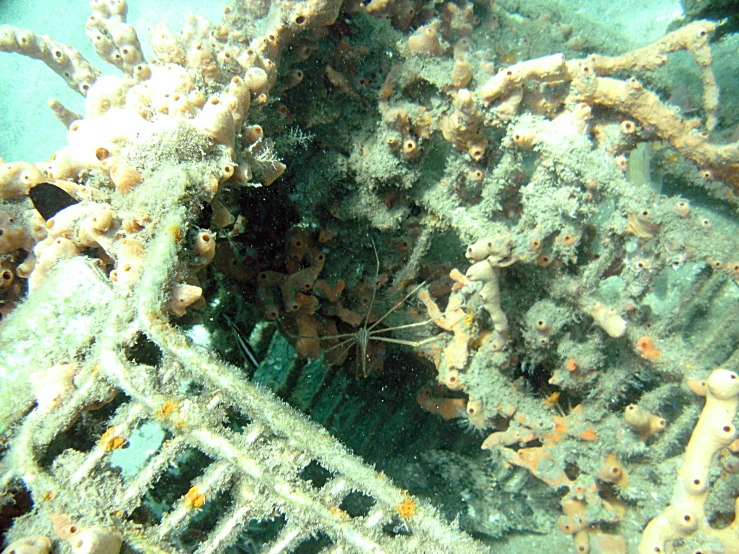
(114, 40)
(68, 162)
(48, 253)
(87, 224)
(238, 88)
(52, 385)
(17, 178)
(714, 431)
(166, 45)
(609, 320)
(480, 271)
(95, 540)
(216, 121)
(497, 247)
(64, 60)
(182, 297)
(29, 545)
(485, 272)
(62, 113)
(109, 91)
(491, 254)
(99, 228)
(256, 80)
(129, 263)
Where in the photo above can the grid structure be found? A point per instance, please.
(256, 468)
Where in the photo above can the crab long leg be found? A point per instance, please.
(374, 287)
(406, 326)
(342, 343)
(414, 344)
(396, 306)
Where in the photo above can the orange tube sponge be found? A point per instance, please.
(447, 408)
(323, 289)
(475, 413)
(302, 281)
(256, 80)
(426, 41)
(612, 471)
(504, 438)
(410, 149)
(299, 245)
(268, 300)
(307, 345)
(524, 138)
(12, 236)
(573, 523)
(205, 247)
(461, 73)
(458, 278)
(239, 89)
(548, 68)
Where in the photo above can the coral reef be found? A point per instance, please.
(487, 214)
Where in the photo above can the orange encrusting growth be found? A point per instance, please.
(194, 498)
(531, 457)
(407, 508)
(551, 400)
(168, 408)
(647, 349)
(110, 441)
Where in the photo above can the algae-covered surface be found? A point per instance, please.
(481, 244)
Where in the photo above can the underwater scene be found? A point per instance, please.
(369, 276)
